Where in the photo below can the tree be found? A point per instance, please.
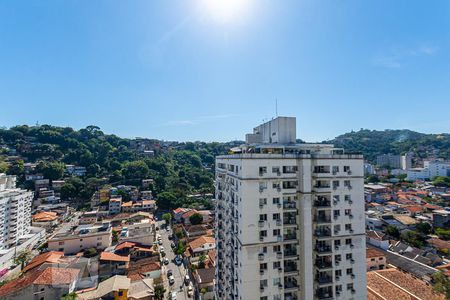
(91, 252)
(16, 168)
(196, 219)
(167, 217)
(181, 247)
(392, 231)
(70, 296)
(51, 170)
(159, 292)
(201, 261)
(23, 257)
(115, 236)
(135, 170)
(443, 233)
(414, 238)
(424, 228)
(166, 200)
(373, 179)
(402, 177)
(441, 284)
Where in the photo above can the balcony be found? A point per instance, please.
(322, 203)
(322, 219)
(290, 285)
(322, 233)
(289, 221)
(324, 294)
(289, 205)
(324, 280)
(290, 269)
(323, 264)
(290, 237)
(290, 254)
(323, 249)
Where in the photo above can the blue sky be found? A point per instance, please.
(174, 70)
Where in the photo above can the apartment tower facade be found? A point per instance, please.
(15, 211)
(289, 219)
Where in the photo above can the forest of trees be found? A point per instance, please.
(178, 170)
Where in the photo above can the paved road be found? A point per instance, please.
(178, 271)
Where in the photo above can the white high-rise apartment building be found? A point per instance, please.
(290, 219)
(15, 211)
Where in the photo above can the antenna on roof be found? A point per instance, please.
(276, 107)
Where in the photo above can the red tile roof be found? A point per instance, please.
(201, 241)
(125, 245)
(49, 276)
(48, 257)
(109, 256)
(189, 213)
(372, 253)
(45, 216)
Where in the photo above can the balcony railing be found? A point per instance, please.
(322, 233)
(323, 249)
(289, 205)
(324, 279)
(289, 221)
(290, 237)
(323, 264)
(322, 219)
(289, 253)
(322, 203)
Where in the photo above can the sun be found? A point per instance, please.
(225, 11)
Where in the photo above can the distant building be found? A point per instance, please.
(115, 205)
(75, 170)
(389, 160)
(15, 211)
(369, 169)
(441, 218)
(430, 170)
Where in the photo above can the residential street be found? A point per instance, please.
(178, 271)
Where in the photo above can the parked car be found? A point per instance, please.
(169, 272)
(187, 280)
(166, 261)
(172, 244)
(161, 249)
(178, 260)
(171, 280)
(173, 296)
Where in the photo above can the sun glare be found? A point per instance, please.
(225, 11)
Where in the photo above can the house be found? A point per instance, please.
(47, 257)
(144, 268)
(142, 290)
(377, 239)
(116, 288)
(406, 221)
(185, 218)
(439, 244)
(201, 246)
(111, 263)
(45, 219)
(177, 213)
(204, 279)
(89, 217)
(375, 259)
(193, 231)
(135, 250)
(49, 283)
(441, 218)
(115, 205)
(57, 184)
(393, 284)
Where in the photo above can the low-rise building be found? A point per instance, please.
(45, 219)
(84, 237)
(111, 263)
(375, 260)
(441, 218)
(49, 283)
(115, 205)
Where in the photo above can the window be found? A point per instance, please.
(263, 233)
(349, 271)
(338, 273)
(348, 212)
(263, 217)
(276, 248)
(276, 216)
(262, 186)
(262, 201)
(264, 249)
(337, 228)
(277, 297)
(276, 185)
(347, 183)
(263, 298)
(348, 256)
(276, 265)
(335, 184)
(262, 170)
(263, 266)
(276, 282)
(347, 198)
(348, 226)
(348, 241)
(335, 169)
(99, 244)
(276, 200)
(336, 213)
(120, 293)
(263, 282)
(339, 288)
(289, 169)
(337, 243)
(336, 198)
(276, 232)
(276, 170)
(349, 286)
(346, 168)
(99, 238)
(60, 243)
(337, 257)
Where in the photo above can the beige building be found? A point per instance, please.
(84, 237)
(375, 259)
(289, 219)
